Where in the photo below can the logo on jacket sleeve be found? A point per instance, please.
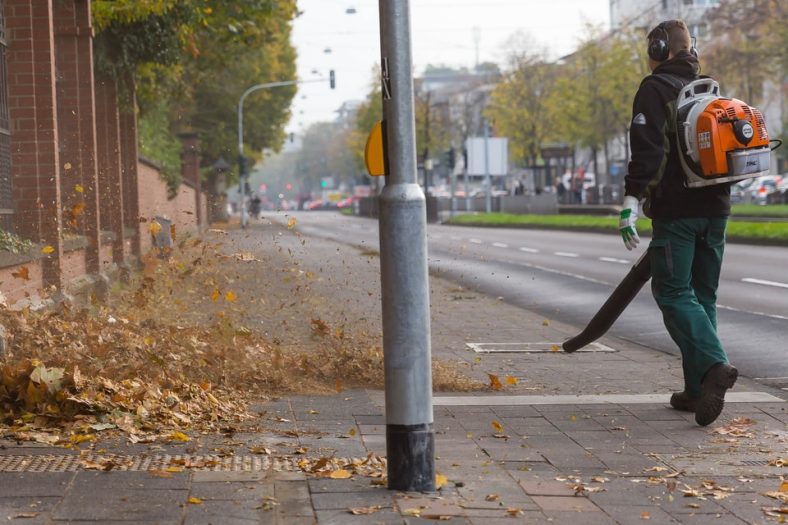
(640, 118)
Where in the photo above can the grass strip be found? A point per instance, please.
(754, 210)
(773, 232)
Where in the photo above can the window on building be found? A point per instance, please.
(6, 197)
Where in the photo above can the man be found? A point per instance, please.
(688, 225)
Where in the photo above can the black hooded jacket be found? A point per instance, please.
(655, 171)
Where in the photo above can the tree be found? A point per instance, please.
(517, 106)
(192, 59)
(592, 100)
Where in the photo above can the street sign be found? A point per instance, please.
(497, 156)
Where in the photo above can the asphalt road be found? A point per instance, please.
(568, 275)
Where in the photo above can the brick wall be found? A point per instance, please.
(153, 201)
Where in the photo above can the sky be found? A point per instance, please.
(445, 32)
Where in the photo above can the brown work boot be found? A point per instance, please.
(718, 380)
(683, 401)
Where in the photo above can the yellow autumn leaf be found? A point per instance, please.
(510, 380)
(154, 227)
(291, 223)
(148, 340)
(416, 512)
(440, 480)
(230, 297)
(340, 474)
(215, 294)
(47, 249)
(67, 166)
(352, 432)
(497, 426)
(179, 436)
(783, 486)
(79, 189)
(173, 469)
(495, 383)
(194, 501)
(555, 348)
(545, 323)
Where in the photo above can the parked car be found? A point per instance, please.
(780, 194)
(754, 191)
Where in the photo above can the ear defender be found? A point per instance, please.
(658, 48)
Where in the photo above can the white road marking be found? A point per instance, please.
(765, 283)
(732, 309)
(528, 250)
(566, 254)
(614, 260)
(475, 241)
(500, 245)
(590, 399)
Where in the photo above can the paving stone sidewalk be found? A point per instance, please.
(530, 453)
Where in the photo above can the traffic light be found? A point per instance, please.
(448, 158)
(332, 80)
(242, 166)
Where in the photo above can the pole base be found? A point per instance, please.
(411, 457)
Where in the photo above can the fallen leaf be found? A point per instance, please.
(440, 480)
(291, 223)
(340, 474)
(364, 511)
(179, 436)
(645, 515)
(154, 227)
(194, 501)
(510, 380)
(352, 432)
(497, 426)
(22, 273)
(47, 249)
(545, 323)
(555, 348)
(416, 512)
(24, 515)
(514, 512)
(495, 383)
(78, 188)
(230, 297)
(338, 385)
(491, 497)
(215, 294)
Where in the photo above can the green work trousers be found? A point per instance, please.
(686, 258)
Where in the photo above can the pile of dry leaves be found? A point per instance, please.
(173, 351)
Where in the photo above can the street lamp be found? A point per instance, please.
(242, 172)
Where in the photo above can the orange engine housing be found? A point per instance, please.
(716, 137)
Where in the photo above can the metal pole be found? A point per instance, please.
(487, 180)
(410, 441)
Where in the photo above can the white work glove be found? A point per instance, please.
(626, 222)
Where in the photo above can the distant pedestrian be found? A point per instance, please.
(688, 226)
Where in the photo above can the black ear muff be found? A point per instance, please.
(658, 50)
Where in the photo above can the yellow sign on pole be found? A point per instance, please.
(374, 153)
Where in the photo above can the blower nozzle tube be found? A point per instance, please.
(627, 289)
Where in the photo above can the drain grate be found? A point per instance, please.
(533, 347)
(73, 463)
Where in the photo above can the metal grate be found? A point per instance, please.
(73, 463)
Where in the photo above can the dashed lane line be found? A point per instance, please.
(765, 283)
(528, 250)
(566, 254)
(614, 260)
(500, 245)
(475, 241)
